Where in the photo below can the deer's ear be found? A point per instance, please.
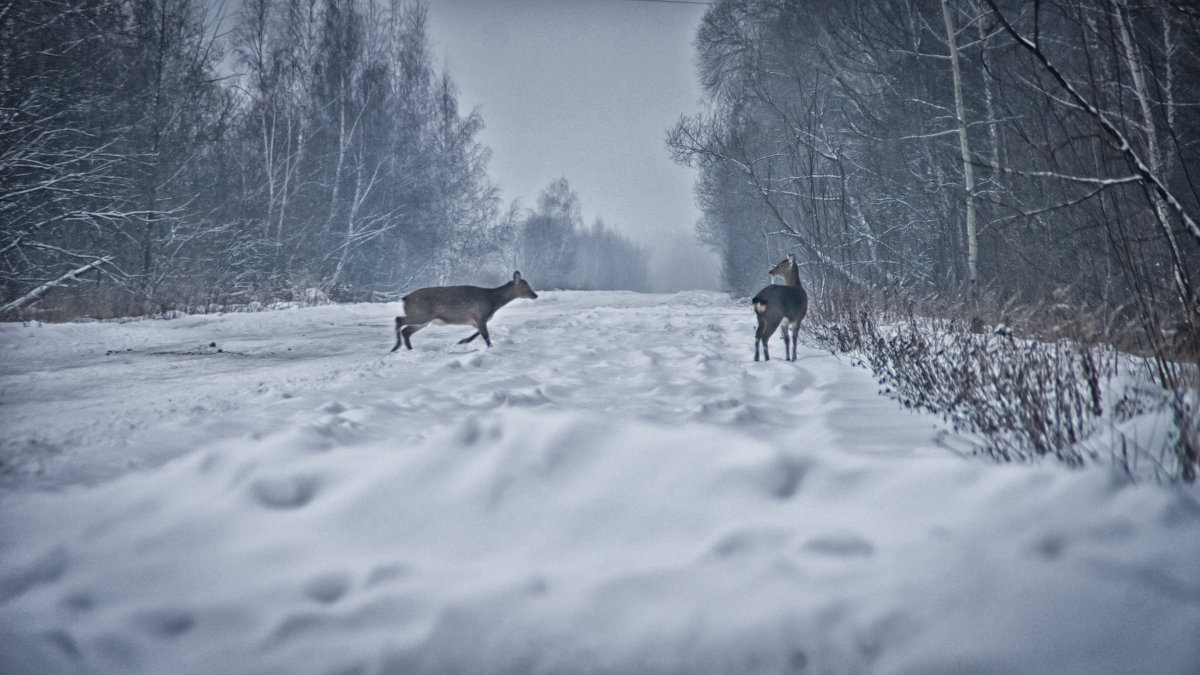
(516, 276)
(792, 258)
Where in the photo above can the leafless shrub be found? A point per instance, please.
(1032, 384)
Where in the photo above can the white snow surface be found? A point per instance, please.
(614, 487)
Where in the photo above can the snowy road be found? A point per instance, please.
(614, 487)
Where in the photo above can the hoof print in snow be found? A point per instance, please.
(463, 363)
(384, 574)
(45, 570)
(521, 398)
(720, 404)
(840, 546)
(474, 431)
(748, 541)
(333, 408)
(296, 625)
(77, 602)
(1050, 546)
(285, 492)
(165, 623)
(784, 482)
(755, 415)
(65, 644)
(327, 588)
(537, 586)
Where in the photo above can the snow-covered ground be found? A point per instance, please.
(614, 487)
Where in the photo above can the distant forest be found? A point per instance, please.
(1037, 153)
(148, 163)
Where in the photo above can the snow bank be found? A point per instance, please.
(615, 487)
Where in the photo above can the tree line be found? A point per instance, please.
(966, 183)
(1038, 152)
(148, 162)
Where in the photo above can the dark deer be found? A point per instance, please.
(467, 305)
(777, 304)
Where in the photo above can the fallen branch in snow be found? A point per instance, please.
(37, 293)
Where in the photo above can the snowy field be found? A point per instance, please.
(614, 487)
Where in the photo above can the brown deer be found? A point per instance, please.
(467, 305)
(777, 304)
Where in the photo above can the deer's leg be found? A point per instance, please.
(468, 339)
(408, 331)
(788, 349)
(484, 332)
(767, 330)
(757, 337)
(795, 338)
(399, 338)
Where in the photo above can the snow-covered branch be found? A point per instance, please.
(1117, 138)
(37, 293)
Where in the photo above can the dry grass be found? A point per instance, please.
(1030, 381)
(111, 301)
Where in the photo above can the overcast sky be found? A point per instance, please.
(586, 89)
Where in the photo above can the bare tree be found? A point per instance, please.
(968, 161)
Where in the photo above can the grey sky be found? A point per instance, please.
(585, 89)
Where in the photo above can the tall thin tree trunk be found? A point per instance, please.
(965, 147)
(1154, 151)
(289, 163)
(268, 140)
(989, 103)
(343, 143)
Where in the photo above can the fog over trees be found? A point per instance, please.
(1040, 152)
(147, 162)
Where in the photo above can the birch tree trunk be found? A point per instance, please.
(1154, 156)
(965, 148)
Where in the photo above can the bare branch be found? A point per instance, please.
(37, 293)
